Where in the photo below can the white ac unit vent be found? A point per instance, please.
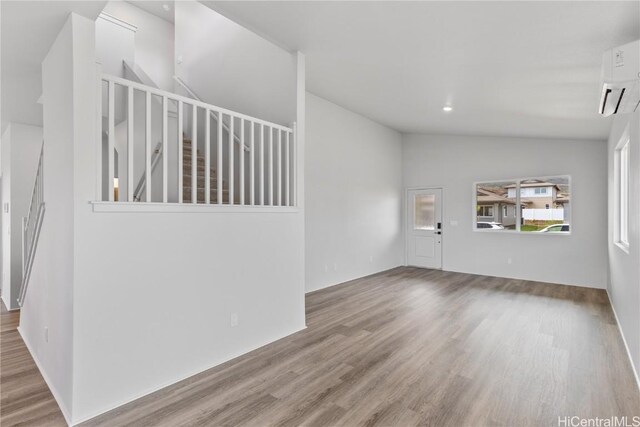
(620, 80)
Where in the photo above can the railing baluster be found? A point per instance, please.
(287, 171)
(165, 149)
(294, 151)
(194, 155)
(271, 168)
(130, 144)
(219, 174)
(25, 243)
(231, 136)
(30, 226)
(207, 156)
(241, 159)
(185, 99)
(148, 148)
(100, 129)
(279, 167)
(252, 168)
(111, 140)
(262, 163)
(180, 151)
(270, 180)
(39, 177)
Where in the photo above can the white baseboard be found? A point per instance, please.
(183, 377)
(7, 305)
(54, 392)
(343, 281)
(624, 340)
(528, 279)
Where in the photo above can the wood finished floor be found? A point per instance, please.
(417, 347)
(25, 398)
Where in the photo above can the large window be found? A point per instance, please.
(621, 225)
(540, 205)
(493, 203)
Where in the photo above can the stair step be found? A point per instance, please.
(186, 189)
(186, 170)
(187, 159)
(213, 181)
(213, 185)
(213, 196)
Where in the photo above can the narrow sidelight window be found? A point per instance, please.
(622, 167)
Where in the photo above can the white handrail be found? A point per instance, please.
(190, 101)
(187, 88)
(31, 225)
(139, 73)
(215, 117)
(269, 176)
(142, 183)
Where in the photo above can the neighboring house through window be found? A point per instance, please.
(544, 202)
(485, 210)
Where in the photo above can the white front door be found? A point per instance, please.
(424, 228)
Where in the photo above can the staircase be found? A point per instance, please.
(187, 159)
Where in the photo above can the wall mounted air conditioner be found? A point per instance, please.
(621, 80)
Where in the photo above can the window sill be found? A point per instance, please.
(143, 207)
(623, 247)
(523, 233)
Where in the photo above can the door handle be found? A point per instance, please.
(438, 232)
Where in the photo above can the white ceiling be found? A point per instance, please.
(157, 8)
(508, 68)
(28, 29)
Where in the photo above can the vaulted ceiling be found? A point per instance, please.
(28, 29)
(507, 68)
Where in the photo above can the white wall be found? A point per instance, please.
(5, 160)
(624, 268)
(115, 42)
(157, 309)
(154, 41)
(21, 149)
(455, 162)
(353, 194)
(49, 300)
(136, 301)
(229, 66)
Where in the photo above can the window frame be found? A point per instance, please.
(518, 212)
(622, 181)
(484, 209)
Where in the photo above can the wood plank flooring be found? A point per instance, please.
(25, 398)
(417, 347)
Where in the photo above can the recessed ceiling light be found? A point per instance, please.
(447, 108)
(166, 7)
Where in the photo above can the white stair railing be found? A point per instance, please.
(193, 95)
(270, 157)
(31, 225)
(142, 183)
